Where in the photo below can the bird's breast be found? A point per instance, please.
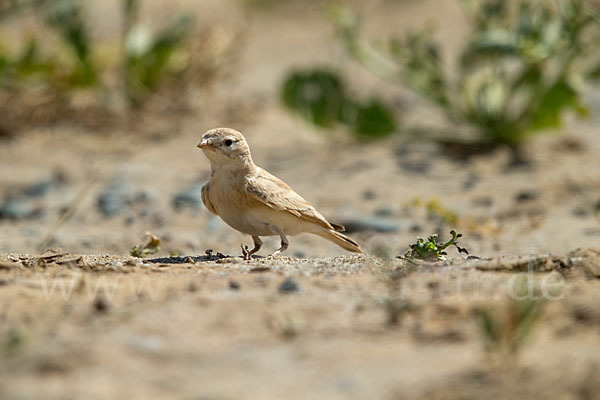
(235, 207)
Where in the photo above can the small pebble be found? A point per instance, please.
(416, 228)
(234, 285)
(470, 182)
(299, 254)
(101, 304)
(113, 199)
(39, 189)
(526, 195)
(118, 196)
(580, 212)
(385, 211)
(190, 197)
(483, 201)
(369, 194)
(289, 285)
(192, 287)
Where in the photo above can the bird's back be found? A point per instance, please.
(251, 200)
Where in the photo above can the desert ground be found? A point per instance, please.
(81, 318)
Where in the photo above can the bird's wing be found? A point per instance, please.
(276, 194)
(338, 227)
(206, 200)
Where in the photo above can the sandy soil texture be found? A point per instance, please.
(86, 320)
(344, 327)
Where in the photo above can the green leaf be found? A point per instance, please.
(148, 57)
(558, 97)
(374, 120)
(318, 95)
(490, 327)
(490, 44)
(67, 18)
(594, 73)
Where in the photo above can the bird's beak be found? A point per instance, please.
(205, 144)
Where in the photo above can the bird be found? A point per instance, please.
(254, 202)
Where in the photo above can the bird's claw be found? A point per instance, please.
(245, 252)
(275, 254)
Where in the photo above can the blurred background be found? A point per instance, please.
(396, 118)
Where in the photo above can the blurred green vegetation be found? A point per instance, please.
(436, 211)
(321, 97)
(523, 64)
(71, 61)
(146, 55)
(506, 329)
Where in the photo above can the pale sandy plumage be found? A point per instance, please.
(252, 201)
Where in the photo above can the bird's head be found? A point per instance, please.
(225, 146)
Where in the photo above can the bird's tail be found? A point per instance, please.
(341, 240)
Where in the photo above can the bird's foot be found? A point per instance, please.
(245, 252)
(280, 250)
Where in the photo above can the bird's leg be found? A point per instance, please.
(247, 254)
(257, 245)
(284, 241)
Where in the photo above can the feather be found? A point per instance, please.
(276, 194)
(206, 200)
(337, 227)
(341, 240)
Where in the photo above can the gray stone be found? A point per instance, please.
(18, 208)
(113, 199)
(374, 224)
(190, 197)
(289, 285)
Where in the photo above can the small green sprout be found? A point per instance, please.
(505, 329)
(151, 247)
(431, 250)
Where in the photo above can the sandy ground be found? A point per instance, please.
(118, 327)
(222, 329)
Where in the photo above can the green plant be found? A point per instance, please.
(147, 56)
(292, 325)
(67, 17)
(24, 65)
(431, 250)
(523, 64)
(14, 340)
(436, 211)
(147, 59)
(505, 330)
(320, 96)
(152, 246)
(73, 68)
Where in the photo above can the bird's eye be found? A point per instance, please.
(228, 142)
